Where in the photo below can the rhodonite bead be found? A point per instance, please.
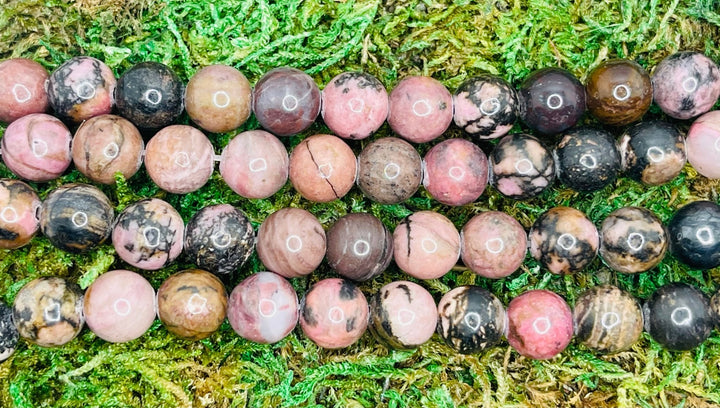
(703, 145)
(678, 316)
(587, 159)
(19, 212)
(148, 234)
(389, 170)
(192, 304)
(263, 308)
(403, 315)
(179, 159)
(36, 147)
(49, 311)
(552, 100)
(119, 306)
(456, 172)
(715, 308)
(619, 92)
(564, 240)
(150, 95)
(105, 145)
(471, 319)
(607, 319)
(540, 324)
(426, 245)
(652, 153)
(218, 98)
(8, 333)
(286, 101)
(219, 239)
(354, 105)
(255, 164)
(291, 242)
(22, 89)
(359, 246)
(633, 240)
(322, 168)
(521, 166)
(421, 109)
(694, 233)
(486, 106)
(494, 244)
(686, 84)
(334, 313)
(81, 88)
(76, 217)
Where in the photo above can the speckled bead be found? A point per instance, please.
(607, 319)
(633, 240)
(694, 233)
(540, 324)
(389, 170)
(8, 333)
(192, 304)
(686, 84)
(564, 240)
(22, 89)
(521, 166)
(619, 92)
(715, 308)
(81, 88)
(494, 244)
(105, 145)
(354, 105)
(286, 101)
(218, 98)
(291, 242)
(678, 316)
(49, 311)
(471, 319)
(150, 95)
(652, 153)
(179, 159)
(119, 306)
(552, 100)
(255, 164)
(219, 239)
(76, 217)
(36, 147)
(148, 234)
(426, 245)
(485, 106)
(703, 145)
(359, 246)
(322, 168)
(587, 159)
(421, 109)
(403, 315)
(334, 313)
(19, 213)
(456, 172)
(263, 308)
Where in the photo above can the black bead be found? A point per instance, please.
(587, 159)
(8, 333)
(552, 100)
(695, 234)
(150, 95)
(678, 316)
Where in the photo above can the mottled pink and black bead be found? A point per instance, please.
(521, 166)
(19, 212)
(607, 319)
(359, 246)
(219, 238)
(389, 170)
(652, 153)
(678, 316)
(486, 106)
(494, 244)
(8, 333)
(322, 168)
(355, 105)
(426, 245)
(703, 145)
(22, 89)
(286, 101)
(255, 164)
(150, 95)
(456, 172)
(564, 240)
(633, 240)
(403, 315)
(587, 159)
(471, 319)
(540, 324)
(686, 84)
(81, 88)
(421, 109)
(552, 100)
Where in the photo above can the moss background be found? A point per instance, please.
(450, 41)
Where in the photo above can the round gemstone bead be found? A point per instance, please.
(564, 240)
(426, 245)
(540, 324)
(354, 105)
(471, 319)
(8, 333)
(486, 106)
(607, 319)
(587, 159)
(652, 153)
(403, 315)
(22, 89)
(420, 109)
(694, 233)
(494, 244)
(678, 316)
(286, 101)
(521, 166)
(456, 172)
(150, 95)
(323, 168)
(218, 98)
(359, 246)
(703, 145)
(686, 84)
(619, 92)
(81, 88)
(389, 170)
(633, 240)
(19, 213)
(552, 100)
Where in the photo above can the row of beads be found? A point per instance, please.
(150, 234)
(121, 306)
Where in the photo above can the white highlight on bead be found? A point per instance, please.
(336, 315)
(21, 93)
(182, 159)
(152, 237)
(429, 245)
(325, 170)
(39, 147)
(422, 108)
(636, 241)
(122, 307)
(705, 236)
(9, 215)
(588, 161)
(52, 313)
(84, 90)
(79, 219)
(655, 154)
(541, 325)
(690, 84)
(153, 96)
(524, 166)
(221, 99)
(495, 245)
(391, 171)
(621, 92)
(681, 316)
(490, 106)
(111, 151)
(610, 320)
(293, 243)
(221, 239)
(290, 103)
(405, 317)
(356, 105)
(472, 320)
(266, 304)
(257, 165)
(554, 101)
(361, 247)
(717, 144)
(196, 304)
(566, 241)
(456, 173)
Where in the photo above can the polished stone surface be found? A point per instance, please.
(471, 319)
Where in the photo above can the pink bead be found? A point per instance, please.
(355, 105)
(19, 206)
(540, 324)
(36, 147)
(420, 109)
(120, 306)
(322, 168)
(22, 89)
(255, 164)
(703, 145)
(426, 245)
(494, 244)
(403, 315)
(456, 172)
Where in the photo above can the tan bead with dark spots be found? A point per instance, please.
(564, 240)
(218, 98)
(633, 240)
(607, 319)
(619, 92)
(389, 170)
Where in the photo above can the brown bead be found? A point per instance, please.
(286, 101)
(218, 98)
(607, 319)
(389, 170)
(359, 246)
(619, 92)
(322, 168)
